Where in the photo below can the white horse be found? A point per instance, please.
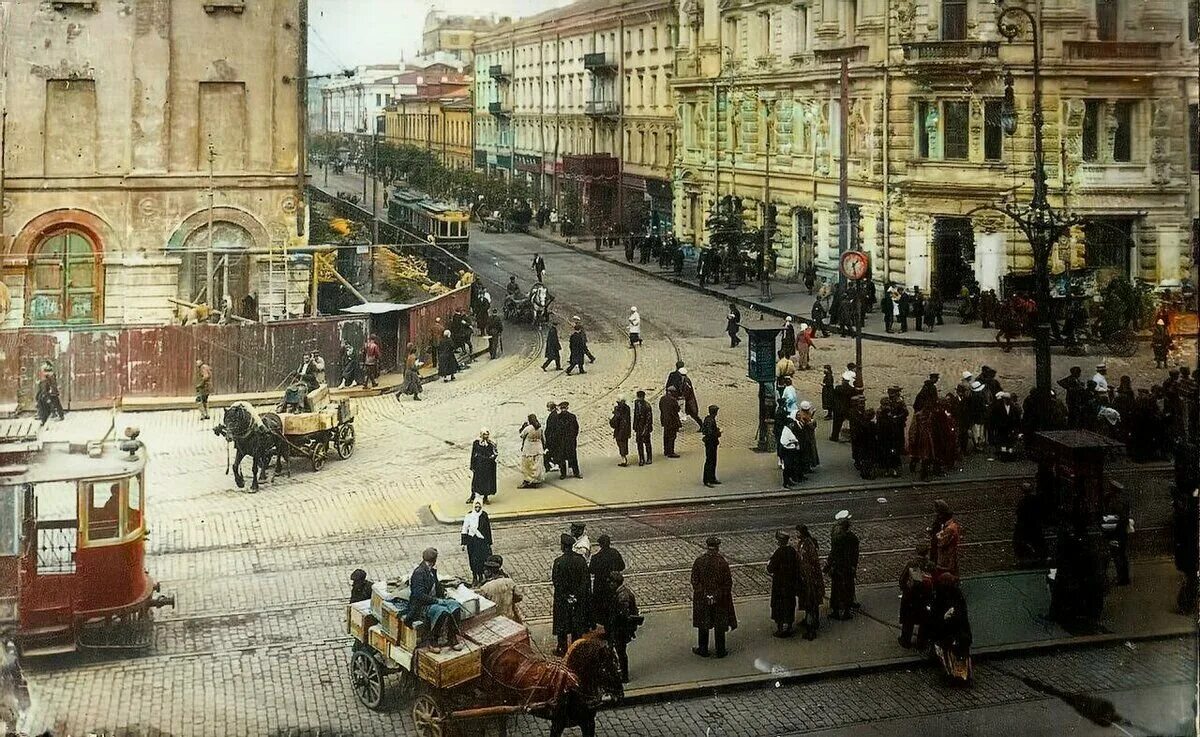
(539, 301)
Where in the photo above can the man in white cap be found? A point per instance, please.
(967, 378)
(842, 566)
(635, 327)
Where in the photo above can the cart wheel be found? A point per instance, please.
(428, 716)
(319, 451)
(344, 445)
(366, 678)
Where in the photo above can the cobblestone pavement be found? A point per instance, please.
(255, 644)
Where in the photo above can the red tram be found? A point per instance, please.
(72, 543)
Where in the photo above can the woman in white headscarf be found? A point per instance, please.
(477, 540)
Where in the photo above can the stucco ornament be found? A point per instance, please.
(906, 18)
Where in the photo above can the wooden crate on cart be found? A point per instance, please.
(450, 667)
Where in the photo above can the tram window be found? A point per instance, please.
(56, 501)
(133, 507)
(10, 519)
(104, 507)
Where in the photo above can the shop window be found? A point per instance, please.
(104, 511)
(65, 282)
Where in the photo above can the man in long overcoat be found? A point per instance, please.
(784, 570)
(712, 598)
(553, 351)
(621, 423)
(643, 428)
(842, 566)
(572, 599)
(568, 439)
(606, 561)
(550, 436)
(668, 416)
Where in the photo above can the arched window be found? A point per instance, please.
(230, 263)
(65, 281)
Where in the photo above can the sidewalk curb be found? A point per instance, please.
(765, 309)
(655, 694)
(762, 494)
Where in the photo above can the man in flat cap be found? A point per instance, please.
(571, 615)
(712, 598)
(842, 566)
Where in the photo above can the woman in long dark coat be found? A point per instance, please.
(446, 361)
(476, 539)
(784, 569)
(483, 467)
(810, 582)
(951, 626)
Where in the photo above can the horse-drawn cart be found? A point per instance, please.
(496, 674)
(311, 434)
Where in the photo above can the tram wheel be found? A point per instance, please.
(366, 678)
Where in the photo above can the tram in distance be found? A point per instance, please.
(72, 543)
(422, 218)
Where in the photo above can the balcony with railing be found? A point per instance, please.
(601, 108)
(499, 109)
(498, 73)
(599, 61)
(951, 52)
(1113, 50)
(853, 54)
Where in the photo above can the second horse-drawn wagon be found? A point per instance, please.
(497, 673)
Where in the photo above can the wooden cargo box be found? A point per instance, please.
(308, 422)
(378, 639)
(359, 619)
(496, 631)
(449, 668)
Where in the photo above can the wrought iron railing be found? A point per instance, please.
(935, 51)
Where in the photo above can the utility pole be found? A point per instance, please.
(844, 163)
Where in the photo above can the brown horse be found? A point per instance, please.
(566, 691)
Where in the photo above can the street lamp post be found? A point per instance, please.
(1041, 224)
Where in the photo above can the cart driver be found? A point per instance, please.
(513, 289)
(295, 397)
(427, 602)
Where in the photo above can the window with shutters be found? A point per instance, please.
(954, 20)
(1107, 19)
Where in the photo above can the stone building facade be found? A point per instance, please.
(353, 104)
(454, 34)
(437, 118)
(120, 117)
(582, 94)
(758, 84)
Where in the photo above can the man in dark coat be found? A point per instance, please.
(427, 603)
(787, 339)
(625, 620)
(572, 599)
(843, 393)
(568, 439)
(818, 317)
(712, 439)
(886, 306)
(905, 310)
(733, 323)
(643, 428)
(1029, 538)
(668, 415)
(675, 378)
(551, 436)
(577, 345)
(784, 570)
(621, 423)
(495, 331)
(605, 561)
(712, 598)
(1004, 424)
(553, 349)
(890, 423)
(918, 308)
(842, 567)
